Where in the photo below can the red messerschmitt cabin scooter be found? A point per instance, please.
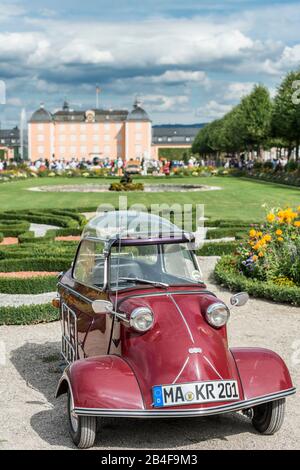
(143, 337)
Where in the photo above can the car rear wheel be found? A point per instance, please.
(82, 428)
(268, 418)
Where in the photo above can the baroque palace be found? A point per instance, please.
(107, 134)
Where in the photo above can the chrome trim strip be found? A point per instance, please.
(155, 413)
(183, 317)
(74, 292)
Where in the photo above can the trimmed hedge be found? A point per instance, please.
(217, 249)
(28, 314)
(28, 237)
(12, 228)
(229, 223)
(226, 274)
(30, 285)
(35, 264)
(236, 232)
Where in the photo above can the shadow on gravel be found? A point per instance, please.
(38, 366)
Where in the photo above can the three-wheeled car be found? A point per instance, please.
(143, 337)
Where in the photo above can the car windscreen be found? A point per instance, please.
(171, 264)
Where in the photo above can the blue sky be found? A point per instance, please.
(189, 61)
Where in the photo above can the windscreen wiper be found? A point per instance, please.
(144, 281)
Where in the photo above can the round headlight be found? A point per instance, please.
(141, 319)
(217, 315)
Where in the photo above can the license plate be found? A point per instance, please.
(195, 392)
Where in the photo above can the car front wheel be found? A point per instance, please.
(268, 417)
(82, 428)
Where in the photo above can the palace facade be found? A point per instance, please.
(107, 134)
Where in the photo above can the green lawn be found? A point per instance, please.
(239, 198)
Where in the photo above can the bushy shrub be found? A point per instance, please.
(227, 274)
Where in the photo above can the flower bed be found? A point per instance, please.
(227, 274)
(126, 187)
(268, 262)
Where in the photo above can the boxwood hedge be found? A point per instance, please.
(227, 275)
(28, 314)
(217, 249)
(30, 285)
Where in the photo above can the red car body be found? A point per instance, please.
(113, 368)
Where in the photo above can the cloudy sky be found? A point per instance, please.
(188, 60)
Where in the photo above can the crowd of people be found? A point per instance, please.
(139, 166)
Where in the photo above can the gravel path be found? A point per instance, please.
(8, 300)
(32, 419)
(41, 229)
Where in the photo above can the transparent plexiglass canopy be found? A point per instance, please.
(131, 225)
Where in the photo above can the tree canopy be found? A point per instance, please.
(256, 123)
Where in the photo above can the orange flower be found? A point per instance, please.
(278, 232)
(252, 233)
(255, 258)
(297, 223)
(260, 254)
(270, 217)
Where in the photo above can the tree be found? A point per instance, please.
(256, 116)
(286, 113)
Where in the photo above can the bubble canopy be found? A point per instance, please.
(132, 226)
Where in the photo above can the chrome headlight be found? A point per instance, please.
(217, 315)
(141, 319)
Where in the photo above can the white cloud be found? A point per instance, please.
(156, 42)
(177, 76)
(213, 110)
(164, 103)
(235, 91)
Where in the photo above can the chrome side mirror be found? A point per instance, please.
(240, 299)
(102, 306)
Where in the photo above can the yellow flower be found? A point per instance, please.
(260, 254)
(270, 217)
(255, 258)
(298, 209)
(267, 238)
(252, 233)
(256, 247)
(297, 223)
(280, 239)
(259, 234)
(278, 232)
